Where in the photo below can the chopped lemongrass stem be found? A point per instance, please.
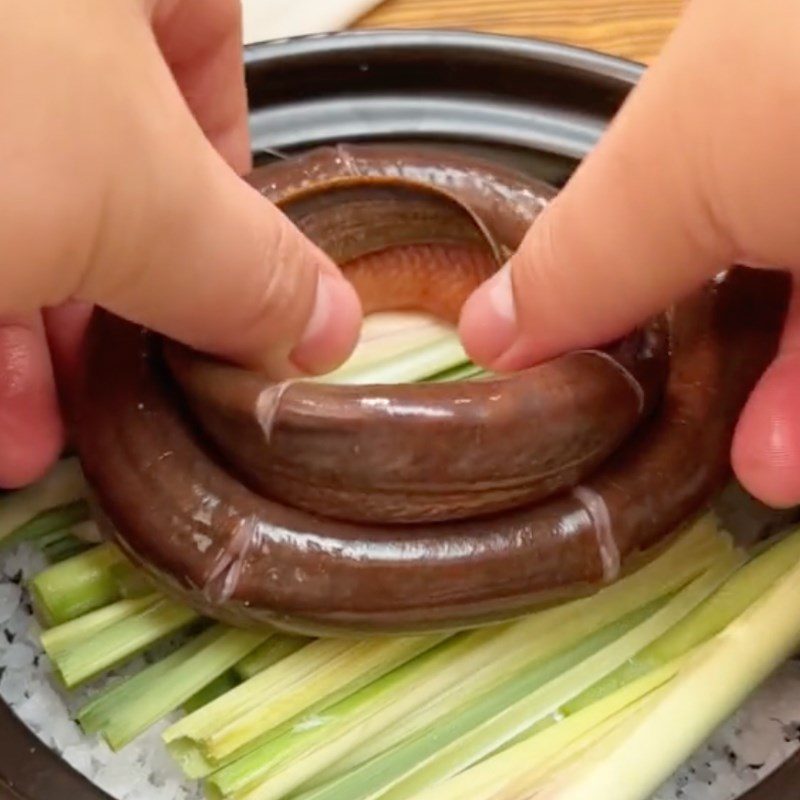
(372, 778)
(367, 661)
(48, 524)
(542, 635)
(460, 373)
(275, 649)
(116, 643)
(130, 708)
(536, 753)
(60, 547)
(250, 711)
(313, 744)
(75, 587)
(62, 486)
(77, 631)
(218, 687)
(415, 365)
(130, 581)
(717, 678)
(388, 336)
(489, 721)
(484, 739)
(749, 583)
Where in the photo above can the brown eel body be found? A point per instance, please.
(339, 509)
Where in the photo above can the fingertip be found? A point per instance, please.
(488, 322)
(332, 329)
(766, 446)
(31, 432)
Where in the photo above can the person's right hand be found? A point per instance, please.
(699, 170)
(124, 127)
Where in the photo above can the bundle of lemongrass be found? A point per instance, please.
(555, 705)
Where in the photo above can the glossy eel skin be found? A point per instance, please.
(389, 509)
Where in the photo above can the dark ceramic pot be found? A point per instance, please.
(537, 105)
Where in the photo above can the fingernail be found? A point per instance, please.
(332, 328)
(488, 323)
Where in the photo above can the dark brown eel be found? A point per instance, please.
(339, 509)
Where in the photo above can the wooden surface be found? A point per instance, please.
(631, 28)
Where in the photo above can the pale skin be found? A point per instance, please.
(124, 135)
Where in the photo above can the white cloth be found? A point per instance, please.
(277, 19)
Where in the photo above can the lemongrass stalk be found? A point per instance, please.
(483, 658)
(76, 586)
(749, 583)
(47, 524)
(68, 635)
(386, 337)
(485, 724)
(414, 365)
(292, 671)
(535, 755)
(62, 546)
(60, 488)
(319, 738)
(127, 710)
(364, 663)
(370, 779)
(461, 373)
(121, 641)
(356, 666)
(284, 764)
(100, 710)
(271, 652)
(221, 685)
(542, 635)
(715, 681)
(130, 581)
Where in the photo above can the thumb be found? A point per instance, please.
(630, 233)
(206, 260)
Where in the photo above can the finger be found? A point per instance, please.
(30, 427)
(202, 42)
(189, 249)
(766, 448)
(65, 327)
(630, 233)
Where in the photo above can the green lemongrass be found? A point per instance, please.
(314, 744)
(535, 755)
(290, 672)
(374, 776)
(463, 372)
(130, 581)
(487, 723)
(716, 680)
(271, 652)
(48, 525)
(74, 633)
(749, 583)
(318, 738)
(221, 685)
(364, 663)
(63, 486)
(541, 636)
(356, 666)
(75, 587)
(414, 365)
(116, 643)
(126, 710)
(386, 337)
(62, 546)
